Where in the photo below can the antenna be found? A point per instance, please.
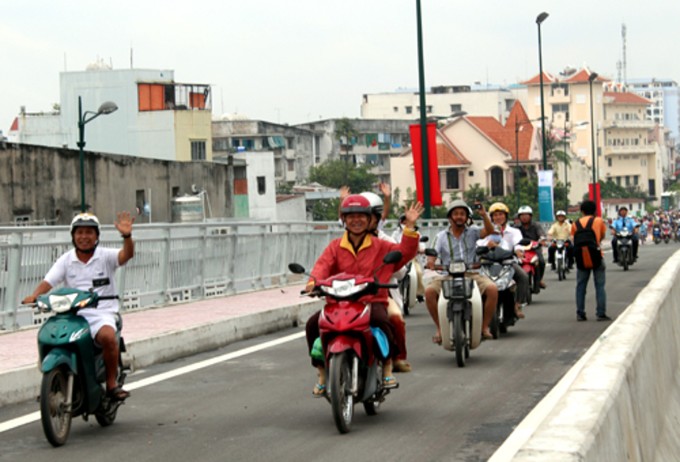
(623, 38)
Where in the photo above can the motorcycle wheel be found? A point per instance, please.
(529, 296)
(560, 270)
(624, 260)
(342, 401)
(106, 414)
(371, 406)
(535, 287)
(405, 294)
(55, 418)
(495, 324)
(459, 338)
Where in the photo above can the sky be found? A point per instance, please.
(304, 60)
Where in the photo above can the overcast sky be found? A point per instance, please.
(295, 61)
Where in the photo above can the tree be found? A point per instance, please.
(346, 134)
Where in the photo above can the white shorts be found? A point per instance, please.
(98, 319)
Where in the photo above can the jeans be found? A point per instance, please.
(582, 277)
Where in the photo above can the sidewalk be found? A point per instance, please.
(162, 334)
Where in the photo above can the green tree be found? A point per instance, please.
(346, 134)
(336, 173)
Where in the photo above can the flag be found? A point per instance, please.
(433, 167)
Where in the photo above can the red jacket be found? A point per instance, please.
(339, 257)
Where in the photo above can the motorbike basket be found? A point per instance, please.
(457, 288)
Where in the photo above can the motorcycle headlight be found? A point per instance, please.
(61, 303)
(457, 267)
(343, 289)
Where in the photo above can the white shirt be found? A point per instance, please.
(98, 273)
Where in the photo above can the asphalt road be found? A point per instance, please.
(258, 407)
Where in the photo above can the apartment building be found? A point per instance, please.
(664, 95)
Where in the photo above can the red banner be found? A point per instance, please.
(433, 167)
(594, 195)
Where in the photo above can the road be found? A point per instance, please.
(258, 405)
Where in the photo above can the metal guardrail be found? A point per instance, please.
(173, 263)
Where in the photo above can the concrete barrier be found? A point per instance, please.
(621, 401)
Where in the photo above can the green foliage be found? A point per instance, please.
(346, 134)
(326, 210)
(337, 173)
(611, 190)
(475, 193)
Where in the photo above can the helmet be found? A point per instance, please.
(355, 203)
(375, 201)
(525, 209)
(85, 220)
(499, 207)
(561, 212)
(459, 204)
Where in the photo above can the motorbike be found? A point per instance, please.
(666, 232)
(460, 311)
(624, 247)
(408, 286)
(529, 264)
(561, 258)
(497, 266)
(72, 366)
(656, 233)
(353, 351)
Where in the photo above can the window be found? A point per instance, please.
(261, 185)
(456, 108)
(451, 179)
(291, 165)
(497, 187)
(395, 109)
(175, 191)
(652, 188)
(408, 109)
(609, 162)
(140, 200)
(198, 150)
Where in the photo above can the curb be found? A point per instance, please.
(23, 384)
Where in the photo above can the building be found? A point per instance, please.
(157, 118)
(664, 95)
(372, 142)
(293, 148)
(442, 101)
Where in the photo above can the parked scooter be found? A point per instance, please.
(497, 266)
(460, 311)
(74, 376)
(354, 352)
(408, 286)
(656, 233)
(529, 264)
(561, 258)
(624, 247)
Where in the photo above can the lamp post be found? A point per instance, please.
(591, 78)
(106, 108)
(539, 19)
(423, 118)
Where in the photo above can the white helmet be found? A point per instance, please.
(376, 203)
(85, 220)
(561, 212)
(525, 209)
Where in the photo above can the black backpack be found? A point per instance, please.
(586, 250)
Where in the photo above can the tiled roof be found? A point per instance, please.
(582, 77)
(536, 80)
(626, 98)
(448, 154)
(504, 136)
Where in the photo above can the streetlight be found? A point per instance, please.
(423, 117)
(591, 78)
(539, 19)
(106, 108)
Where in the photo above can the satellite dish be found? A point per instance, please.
(194, 189)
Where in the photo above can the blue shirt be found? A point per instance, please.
(464, 248)
(624, 222)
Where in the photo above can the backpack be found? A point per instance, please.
(586, 249)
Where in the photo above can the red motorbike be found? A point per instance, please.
(354, 352)
(529, 264)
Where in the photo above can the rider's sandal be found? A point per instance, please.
(319, 390)
(117, 394)
(390, 382)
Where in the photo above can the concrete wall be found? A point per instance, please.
(45, 183)
(621, 401)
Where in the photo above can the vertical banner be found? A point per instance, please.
(594, 195)
(435, 190)
(545, 195)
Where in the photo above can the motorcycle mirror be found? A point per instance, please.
(296, 268)
(392, 257)
(430, 252)
(424, 238)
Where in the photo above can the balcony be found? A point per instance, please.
(631, 124)
(642, 150)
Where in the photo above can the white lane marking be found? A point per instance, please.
(35, 416)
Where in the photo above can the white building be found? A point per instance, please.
(665, 97)
(156, 118)
(442, 101)
(261, 185)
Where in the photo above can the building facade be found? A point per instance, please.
(664, 95)
(157, 118)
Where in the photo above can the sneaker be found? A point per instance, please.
(581, 317)
(604, 318)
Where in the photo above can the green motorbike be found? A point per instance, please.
(72, 366)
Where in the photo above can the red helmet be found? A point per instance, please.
(355, 203)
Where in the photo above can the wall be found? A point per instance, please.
(45, 183)
(260, 164)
